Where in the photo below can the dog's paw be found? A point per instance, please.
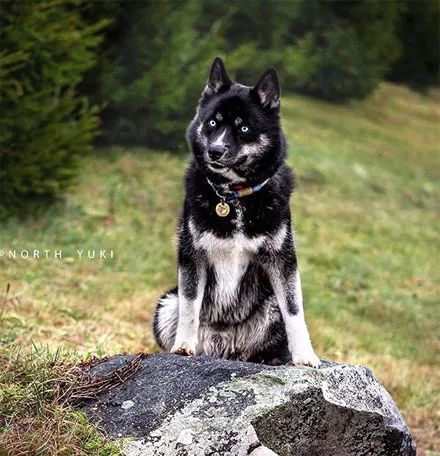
(184, 349)
(305, 359)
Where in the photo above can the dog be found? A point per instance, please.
(239, 289)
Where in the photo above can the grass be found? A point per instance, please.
(366, 217)
(35, 417)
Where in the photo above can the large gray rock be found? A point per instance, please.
(182, 406)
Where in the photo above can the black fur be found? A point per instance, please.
(217, 131)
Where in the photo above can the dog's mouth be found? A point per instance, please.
(217, 166)
(222, 168)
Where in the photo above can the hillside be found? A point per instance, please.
(366, 217)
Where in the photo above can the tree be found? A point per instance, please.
(419, 33)
(153, 67)
(45, 125)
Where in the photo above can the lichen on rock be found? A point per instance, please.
(207, 406)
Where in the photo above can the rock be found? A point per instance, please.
(127, 404)
(214, 407)
(262, 451)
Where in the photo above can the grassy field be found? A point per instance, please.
(366, 217)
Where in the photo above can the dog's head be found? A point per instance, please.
(236, 134)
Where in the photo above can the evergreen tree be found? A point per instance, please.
(419, 34)
(45, 125)
(154, 64)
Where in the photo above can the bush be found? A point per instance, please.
(333, 50)
(154, 64)
(419, 33)
(339, 50)
(46, 126)
(157, 53)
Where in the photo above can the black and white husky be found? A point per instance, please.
(239, 289)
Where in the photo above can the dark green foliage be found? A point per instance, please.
(335, 50)
(342, 50)
(419, 33)
(157, 53)
(154, 65)
(45, 125)
(154, 62)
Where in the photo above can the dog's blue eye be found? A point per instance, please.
(212, 123)
(244, 129)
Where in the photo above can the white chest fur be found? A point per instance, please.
(229, 257)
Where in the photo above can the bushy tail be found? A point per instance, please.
(165, 319)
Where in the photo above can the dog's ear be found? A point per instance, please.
(218, 78)
(268, 89)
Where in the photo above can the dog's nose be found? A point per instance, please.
(216, 152)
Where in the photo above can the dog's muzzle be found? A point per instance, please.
(216, 152)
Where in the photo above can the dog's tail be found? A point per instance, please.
(165, 319)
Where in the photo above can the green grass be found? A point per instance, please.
(35, 417)
(366, 218)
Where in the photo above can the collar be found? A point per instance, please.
(238, 191)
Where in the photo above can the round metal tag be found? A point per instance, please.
(222, 209)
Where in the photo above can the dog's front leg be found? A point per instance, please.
(192, 281)
(286, 283)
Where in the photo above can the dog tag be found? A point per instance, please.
(222, 209)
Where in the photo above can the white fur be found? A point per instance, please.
(275, 241)
(213, 244)
(243, 338)
(274, 102)
(255, 149)
(219, 141)
(167, 319)
(228, 173)
(202, 139)
(229, 257)
(238, 221)
(216, 87)
(298, 337)
(189, 315)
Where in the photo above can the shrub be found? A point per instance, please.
(154, 64)
(156, 56)
(419, 33)
(46, 126)
(341, 50)
(333, 50)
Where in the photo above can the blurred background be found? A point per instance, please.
(95, 98)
